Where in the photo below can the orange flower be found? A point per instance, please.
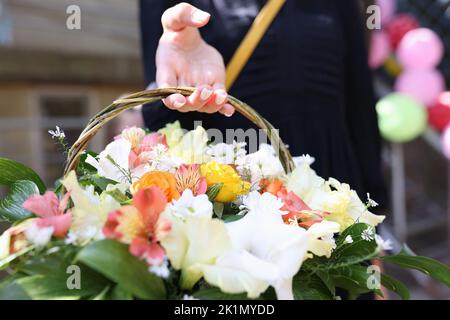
(163, 180)
(298, 211)
(272, 186)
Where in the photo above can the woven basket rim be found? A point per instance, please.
(149, 96)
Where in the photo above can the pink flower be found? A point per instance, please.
(298, 211)
(51, 212)
(141, 145)
(152, 140)
(188, 177)
(141, 225)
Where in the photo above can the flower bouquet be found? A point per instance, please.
(167, 215)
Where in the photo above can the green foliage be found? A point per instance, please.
(48, 276)
(355, 280)
(396, 286)
(12, 171)
(346, 254)
(11, 206)
(83, 167)
(428, 266)
(216, 294)
(100, 183)
(213, 191)
(113, 260)
(10, 290)
(311, 287)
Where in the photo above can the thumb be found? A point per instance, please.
(184, 15)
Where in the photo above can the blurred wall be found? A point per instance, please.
(51, 75)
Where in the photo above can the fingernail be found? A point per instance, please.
(178, 104)
(229, 114)
(205, 94)
(199, 16)
(220, 98)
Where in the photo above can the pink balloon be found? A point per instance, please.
(380, 48)
(387, 8)
(420, 49)
(445, 142)
(424, 85)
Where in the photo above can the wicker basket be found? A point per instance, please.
(143, 97)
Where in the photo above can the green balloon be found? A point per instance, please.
(401, 118)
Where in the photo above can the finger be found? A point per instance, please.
(227, 110)
(216, 103)
(175, 101)
(199, 98)
(184, 15)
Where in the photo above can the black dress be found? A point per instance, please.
(308, 76)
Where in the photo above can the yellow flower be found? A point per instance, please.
(233, 185)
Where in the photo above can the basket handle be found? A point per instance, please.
(148, 96)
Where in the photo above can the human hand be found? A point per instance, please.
(184, 59)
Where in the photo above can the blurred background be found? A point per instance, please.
(51, 75)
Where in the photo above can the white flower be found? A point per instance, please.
(133, 135)
(113, 162)
(188, 297)
(89, 213)
(304, 159)
(261, 164)
(305, 183)
(348, 239)
(321, 238)
(371, 203)
(264, 203)
(368, 234)
(38, 236)
(227, 153)
(161, 160)
(161, 270)
(384, 245)
(194, 241)
(189, 205)
(265, 252)
(57, 134)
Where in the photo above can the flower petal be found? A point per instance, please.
(46, 205)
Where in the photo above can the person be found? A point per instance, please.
(308, 76)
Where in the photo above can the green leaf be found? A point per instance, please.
(10, 290)
(356, 279)
(119, 293)
(102, 295)
(395, 285)
(359, 250)
(328, 281)
(213, 191)
(218, 209)
(232, 217)
(118, 196)
(55, 276)
(11, 206)
(217, 294)
(113, 260)
(428, 266)
(346, 254)
(84, 167)
(12, 171)
(100, 183)
(310, 287)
